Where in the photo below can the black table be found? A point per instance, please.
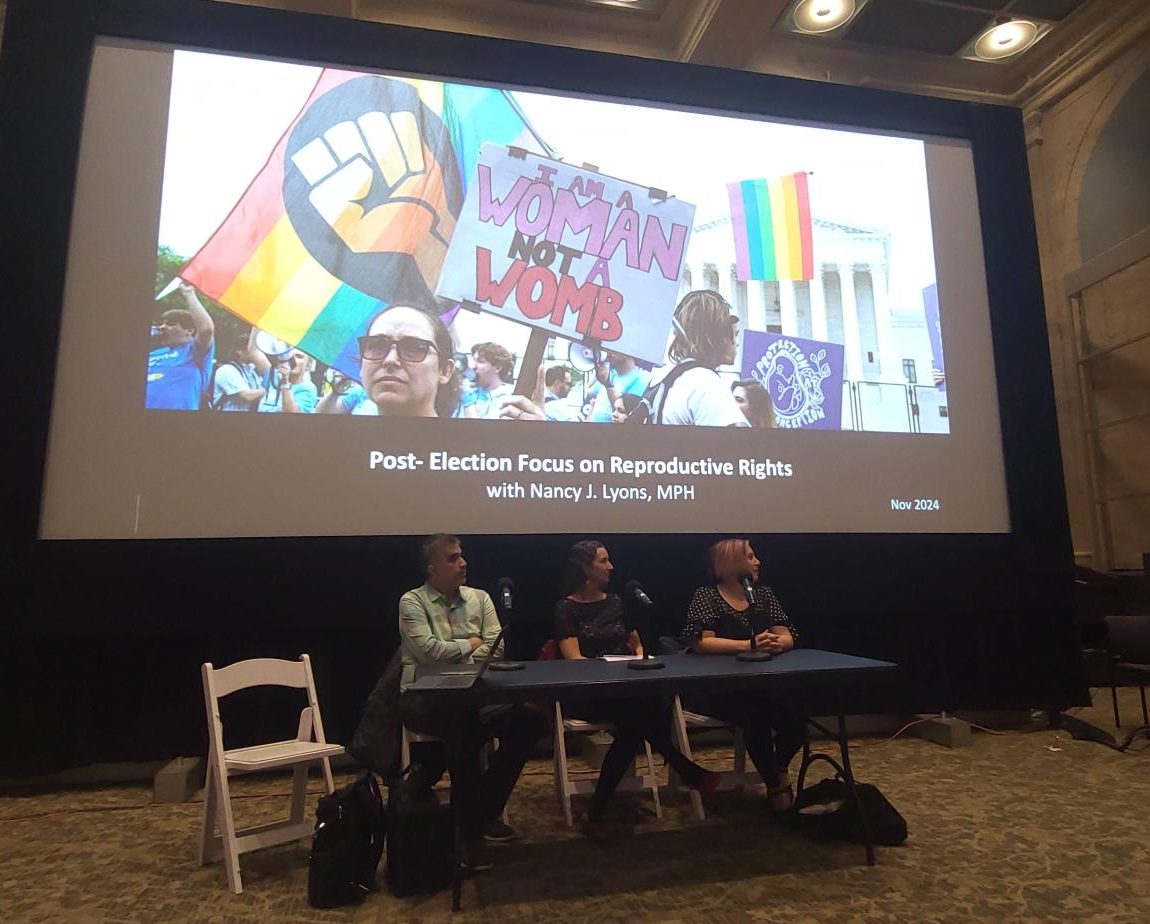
(804, 669)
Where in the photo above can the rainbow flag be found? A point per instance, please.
(771, 221)
(354, 209)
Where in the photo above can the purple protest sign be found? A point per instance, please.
(804, 378)
(934, 331)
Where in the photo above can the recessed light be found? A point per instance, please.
(818, 16)
(1005, 39)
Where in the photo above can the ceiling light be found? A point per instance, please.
(818, 16)
(1005, 39)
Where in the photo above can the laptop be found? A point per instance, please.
(461, 679)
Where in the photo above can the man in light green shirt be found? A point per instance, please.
(446, 622)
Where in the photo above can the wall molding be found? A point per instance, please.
(1098, 46)
(1106, 264)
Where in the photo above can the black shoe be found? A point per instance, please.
(626, 812)
(473, 857)
(498, 832)
(597, 831)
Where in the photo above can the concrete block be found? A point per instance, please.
(178, 779)
(949, 731)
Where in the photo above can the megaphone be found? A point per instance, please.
(270, 345)
(173, 284)
(583, 356)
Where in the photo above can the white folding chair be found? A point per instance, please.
(406, 740)
(682, 721)
(308, 747)
(566, 785)
(408, 737)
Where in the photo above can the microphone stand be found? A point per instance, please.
(504, 665)
(755, 654)
(646, 663)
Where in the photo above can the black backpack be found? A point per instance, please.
(826, 810)
(420, 844)
(649, 410)
(347, 845)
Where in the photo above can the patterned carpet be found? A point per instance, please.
(1023, 825)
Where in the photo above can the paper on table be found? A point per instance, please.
(622, 658)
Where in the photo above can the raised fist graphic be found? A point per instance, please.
(372, 187)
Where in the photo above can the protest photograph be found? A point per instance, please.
(374, 245)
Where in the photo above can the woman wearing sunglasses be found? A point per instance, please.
(406, 368)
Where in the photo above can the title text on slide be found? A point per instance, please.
(441, 461)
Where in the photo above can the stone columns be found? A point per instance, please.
(853, 345)
(818, 307)
(887, 351)
(788, 308)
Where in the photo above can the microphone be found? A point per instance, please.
(634, 590)
(755, 653)
(504, 587)
(745, 580)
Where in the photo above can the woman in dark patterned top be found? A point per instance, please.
(590, 623)
(721, 621)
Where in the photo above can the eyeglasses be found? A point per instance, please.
(377, 347)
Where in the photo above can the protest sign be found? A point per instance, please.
(934, 331)
(569, 251)
(803, 377)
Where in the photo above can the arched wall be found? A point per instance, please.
(1089, 152)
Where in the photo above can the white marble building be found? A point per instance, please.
(886, 347)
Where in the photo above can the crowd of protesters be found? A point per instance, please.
(409, 367)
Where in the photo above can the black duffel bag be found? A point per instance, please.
(827, 810)
(420, 846)
(347, 845)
